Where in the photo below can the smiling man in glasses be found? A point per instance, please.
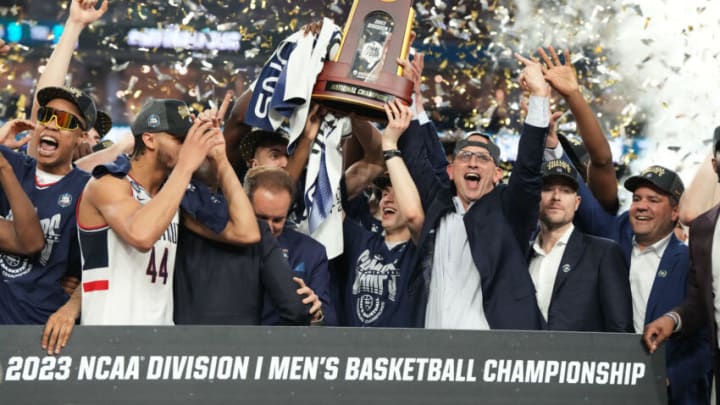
(472, 270)
(31, 290)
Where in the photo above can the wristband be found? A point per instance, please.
(676, 318)
(389, 154)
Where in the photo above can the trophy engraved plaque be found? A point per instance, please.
(364, 75)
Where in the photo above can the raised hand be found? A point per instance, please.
(215, 117)
(552, 139)
(399, 117)
(561, 76)
(84, 12)
(11, 129)
(220, 116)
(313, 121)
(313, 28)
(413, 71)
(532, 79)
(200, 140)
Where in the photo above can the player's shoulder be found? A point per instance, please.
(110, 187)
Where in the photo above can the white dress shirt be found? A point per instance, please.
(544, 267)
(644, 265)
(456, 300)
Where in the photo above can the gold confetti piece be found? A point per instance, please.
(140, 14)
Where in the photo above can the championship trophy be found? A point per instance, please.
(364, 75)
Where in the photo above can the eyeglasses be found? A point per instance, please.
(63, 119)
(466, 156)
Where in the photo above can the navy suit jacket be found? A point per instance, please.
(687, 357)
(499, 226)
(592, 288)
(308, 260)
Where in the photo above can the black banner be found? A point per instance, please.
(279, 365)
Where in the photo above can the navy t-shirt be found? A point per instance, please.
(377, 277)
(30, 290)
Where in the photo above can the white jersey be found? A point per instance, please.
(122, 285)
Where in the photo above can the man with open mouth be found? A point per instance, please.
(472, 273)
(31, 289)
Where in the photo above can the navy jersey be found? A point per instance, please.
(308, 260)
(376, 279)
(31, 291)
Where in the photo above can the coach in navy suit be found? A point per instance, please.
(475, 239)
(659, 265)
(581, 280)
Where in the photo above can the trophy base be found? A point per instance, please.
(336, 91)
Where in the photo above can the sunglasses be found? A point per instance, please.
(63, 119)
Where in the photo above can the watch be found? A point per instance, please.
(389, 154)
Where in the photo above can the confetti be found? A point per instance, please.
(633, 57)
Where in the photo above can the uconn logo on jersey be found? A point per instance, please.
(16, 266)
(374, 280)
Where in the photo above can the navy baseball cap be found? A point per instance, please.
(163, 115)
(493, 149)
(560, 169)
(661, 178)
(82, 101)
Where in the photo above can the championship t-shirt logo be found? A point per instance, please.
(375, 285)
(14, 266)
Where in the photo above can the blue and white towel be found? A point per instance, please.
(282, 92)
